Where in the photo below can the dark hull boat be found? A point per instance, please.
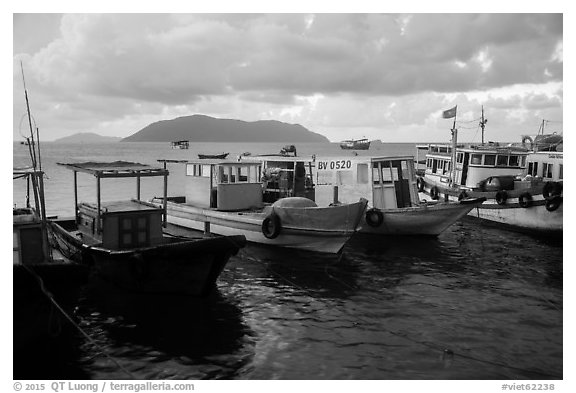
(219, 156)
(46, 286)
(177, 266)
(124, 242)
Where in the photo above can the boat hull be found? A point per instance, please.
(534, 218)
(189, 267)
(312, 229)
(36, 318)
(427, 219)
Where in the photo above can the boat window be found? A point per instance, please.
(490, 159)
(375, 174)
(460, 158)
(547, 170)
(429, 163)
(561, 173)
(514, 161)
(502, 160)
(476, 159)
(362, 173)
(205, 171)
(523, 161)
(533, 168)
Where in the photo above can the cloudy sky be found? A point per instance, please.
(380, 76)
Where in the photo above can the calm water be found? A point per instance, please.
(475, 303)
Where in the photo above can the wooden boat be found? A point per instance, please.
(125, 244)
(46, 286)
(389, 185)
(355, 144)
(180, 144)
(217, 156)
(226, 197)
(523, 188)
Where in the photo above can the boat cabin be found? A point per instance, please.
(285, 176)
(548, 166)
(180, 144)
(119, 225)
(29, 240)
(222, 184)
(474, 163)
(387, 182)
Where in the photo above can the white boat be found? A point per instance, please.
(355, 144)
(226, 197)
(387, 183)
(523, 188)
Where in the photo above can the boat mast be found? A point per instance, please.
(454, 132)
(483, 123)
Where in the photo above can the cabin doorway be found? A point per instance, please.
(464, 169)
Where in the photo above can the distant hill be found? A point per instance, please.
(88, 137)
(200, 128)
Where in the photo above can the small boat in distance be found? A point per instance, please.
(124, 241)
(226, 198)
(180, 144)
(355, 144)
(216, 156)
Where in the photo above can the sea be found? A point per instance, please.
(477, 302)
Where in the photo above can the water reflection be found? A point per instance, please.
(190, 337)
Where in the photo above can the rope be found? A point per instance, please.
(71, 320)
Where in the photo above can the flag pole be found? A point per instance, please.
(454, 142)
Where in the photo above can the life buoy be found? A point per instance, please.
(551, 188)
(525, 200)
(527, 139)
(271, 226)
(501, 197)
(434, 193)
(420, 184)
(374, 218)
(553, 202)
(463, 195)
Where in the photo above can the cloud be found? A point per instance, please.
(106, 67)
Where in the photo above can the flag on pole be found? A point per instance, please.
(450, 113)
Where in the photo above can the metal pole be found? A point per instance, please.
(76, 196)
(98, 205)
(165, 200)
(138, 187)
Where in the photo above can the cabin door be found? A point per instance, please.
(401, 184)
(464, 169)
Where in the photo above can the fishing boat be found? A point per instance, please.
(226, 197)
(180, 144)
(389, 184)
(355, 144)
(124, 241)
(214, 156)
(522, 187)
(46, 285)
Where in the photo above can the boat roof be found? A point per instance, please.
(365, 158)
(115, 169)
(210, 161)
